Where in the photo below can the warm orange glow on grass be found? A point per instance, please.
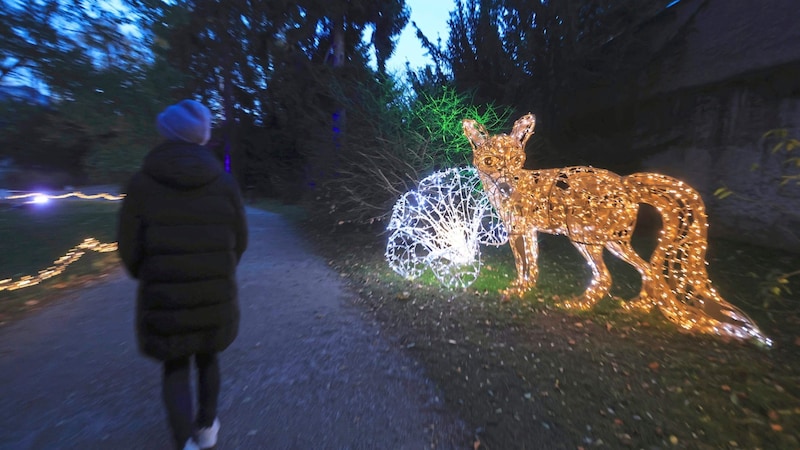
(597, 209)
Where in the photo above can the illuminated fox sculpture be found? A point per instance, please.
(597, 209)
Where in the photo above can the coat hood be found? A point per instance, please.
(182, 165)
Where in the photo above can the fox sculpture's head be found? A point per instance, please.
(499, 157)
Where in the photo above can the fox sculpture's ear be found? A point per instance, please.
(476, 134)
(523, 129)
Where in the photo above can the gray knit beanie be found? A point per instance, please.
(186, 120)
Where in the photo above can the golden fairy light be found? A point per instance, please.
(597, 209)
(74, 254)
(78, 194)
(59, 265)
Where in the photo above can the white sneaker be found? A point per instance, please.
(191, 445)
(207, 437)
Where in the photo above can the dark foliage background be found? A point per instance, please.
(301, 113)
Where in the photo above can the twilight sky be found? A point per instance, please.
(431, 17)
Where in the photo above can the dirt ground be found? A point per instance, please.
(309, 369)
(526, 374)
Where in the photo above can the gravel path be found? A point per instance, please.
(308, 370)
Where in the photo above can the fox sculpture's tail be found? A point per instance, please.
(678, 264)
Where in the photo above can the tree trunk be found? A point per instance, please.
(338, 43)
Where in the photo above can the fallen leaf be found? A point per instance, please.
(476, 444)
(654, 366)
(773, 415)
(625, 439)
(775, 427)
(726, 388)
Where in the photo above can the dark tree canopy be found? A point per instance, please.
(546, 56)
(290, 81)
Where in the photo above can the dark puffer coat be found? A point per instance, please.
(182, 231)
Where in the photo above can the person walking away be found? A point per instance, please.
(182, 231)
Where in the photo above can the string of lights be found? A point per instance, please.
(36, 196)
(74, 254)
(59, 265)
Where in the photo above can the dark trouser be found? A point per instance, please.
(178, 394)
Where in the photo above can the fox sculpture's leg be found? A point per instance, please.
(601, 278)
(647, 295)
(525, 247)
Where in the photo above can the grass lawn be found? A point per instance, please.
(527, 374)
(33, 236)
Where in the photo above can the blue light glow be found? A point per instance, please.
(40, 199)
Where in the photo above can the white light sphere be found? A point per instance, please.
(441, 225)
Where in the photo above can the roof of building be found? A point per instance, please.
(726, 39)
